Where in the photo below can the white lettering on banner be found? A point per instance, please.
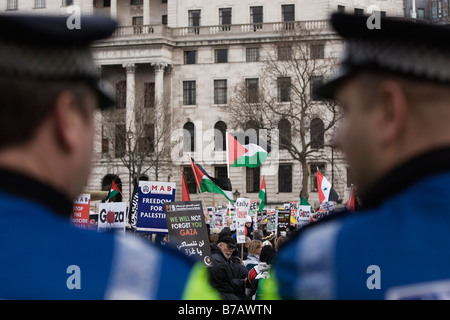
(153, 214)
(157, 187)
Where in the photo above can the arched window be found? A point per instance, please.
(284, 130)
(189, 137)
(107, 182)
(317, 133)
(220, 131)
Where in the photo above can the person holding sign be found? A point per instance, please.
(50, 90)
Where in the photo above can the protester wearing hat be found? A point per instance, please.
(393, 86)
(49, 92)
(221, 272)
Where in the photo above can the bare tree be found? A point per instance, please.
(282, 97)
(142, 147)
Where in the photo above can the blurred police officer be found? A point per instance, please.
(49, 91)
(394, 88)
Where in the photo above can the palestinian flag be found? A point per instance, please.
(262, 194)
(326, 190)
(113, 191)
(244, 150)
(206, 183)
(184, 188)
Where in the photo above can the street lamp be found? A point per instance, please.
(236, 195)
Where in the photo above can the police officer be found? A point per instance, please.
(393, 86)
(49, 91)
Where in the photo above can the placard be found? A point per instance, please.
(151, 216)
(187, 229)
(242, 205)
(112, 216)
(80, 213)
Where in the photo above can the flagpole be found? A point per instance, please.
(228, 161)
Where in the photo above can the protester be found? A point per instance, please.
(221, 273)
(260, 272)
(254, 250)
(49, 92)
(280, 241)
(394, 90)
(258, 235)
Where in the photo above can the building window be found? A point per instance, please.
(190, 179)
(317, 133)
(137, 23)
(220, 131)
(220, 172)
(136, 2)
(317, 51)
(256, 17)
(121, 94)
(315, 82)
(149, 94)
(221, 55)
(220, 91)
(105, 142)
(313, 175)
(252, 90)
(284, 89)
(359, 12)
(225, 18)
(284, 130)
(420, 13)
(38, 4)
(120, 141)
(341, 8)
(190, 57)
(252, 180)
(194, 21)
(106, 3)
(252, 54)
(66, 3)
(349, 178)
(189, 137)
(146, 142)
(189, 93)
(164, 20)
(12, 5)
(285, 178)
(284, 53)
(288, 12)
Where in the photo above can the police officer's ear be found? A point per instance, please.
(393, 111)
(69, 121)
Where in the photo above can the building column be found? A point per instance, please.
(146, 13)
(113, 9)
(130, 102)
(158, 67)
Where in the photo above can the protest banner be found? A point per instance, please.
(151, 216)
(111, 216)
(271, 220)
(242, 205)
(283, 219)
(80, 213)
(187, 229)
(254, 204)
(219, 217)
(303, 217)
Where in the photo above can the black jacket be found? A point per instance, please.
(221, 275)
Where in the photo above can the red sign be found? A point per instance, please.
(80, 214)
